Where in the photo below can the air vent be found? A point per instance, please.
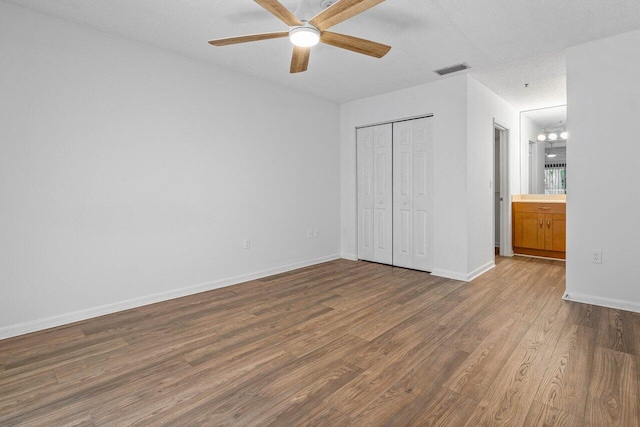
(452, 69)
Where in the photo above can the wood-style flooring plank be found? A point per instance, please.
(616, 331)
(422, 382)
(585, 314)
(445, 408)
(541, 415)
(548, 326)
(564, 385)
(613, 398)
(509, 397)
(474, 377)
(338, 344)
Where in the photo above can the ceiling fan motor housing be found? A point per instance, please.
(305, 35)
(326, 3)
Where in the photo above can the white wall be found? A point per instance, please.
(463, 112)
(484, 107)
(603, 206)
(128, 174)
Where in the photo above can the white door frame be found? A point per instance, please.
(506, 248)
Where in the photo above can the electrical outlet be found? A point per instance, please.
(596, 257)
(316, 233)
(310, 233)
(247, 244)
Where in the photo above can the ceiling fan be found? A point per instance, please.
(306, 31)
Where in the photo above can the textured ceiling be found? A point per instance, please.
(549, 119)
(507, 42)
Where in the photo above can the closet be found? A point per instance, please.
(394, 193)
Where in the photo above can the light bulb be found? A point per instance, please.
(564, 135)
(542, 137)
(551, 155)
(305, 36)
(553, 136)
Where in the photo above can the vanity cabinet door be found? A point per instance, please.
(528, 230)
(555, 232)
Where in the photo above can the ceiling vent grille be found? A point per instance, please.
(452, 69)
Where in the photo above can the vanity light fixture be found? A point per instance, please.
(552, 136)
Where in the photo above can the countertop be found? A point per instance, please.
(539, 198)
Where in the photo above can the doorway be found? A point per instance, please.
(501, 202)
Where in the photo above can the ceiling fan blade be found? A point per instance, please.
(341, 11)
(280, 12)
(300, 59)
(248, 38)
(355, 44)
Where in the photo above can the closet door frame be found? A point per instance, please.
(359, 220)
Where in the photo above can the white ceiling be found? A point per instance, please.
(507, 42)
(549, 119)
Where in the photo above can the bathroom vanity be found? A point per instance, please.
(539, 225)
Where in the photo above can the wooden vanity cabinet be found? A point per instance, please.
(539, 229)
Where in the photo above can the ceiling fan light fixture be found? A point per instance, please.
(564, 135)
(304, 36)
(542, 137)
(553, 136)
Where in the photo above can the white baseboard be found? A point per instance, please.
(447, 274)
(481, 270)
(350, 257)
(76, 316)
(603, 302)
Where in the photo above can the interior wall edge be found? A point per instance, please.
(448, 274)
(481, 270)
(84, 314)
(602, 301)
(464, 277)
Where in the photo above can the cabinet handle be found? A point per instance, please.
(541, 222)
(546, 208)
(548, 223)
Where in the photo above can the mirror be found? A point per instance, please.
(544, 133)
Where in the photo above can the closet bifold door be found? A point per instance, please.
(412, 193)
(375, 224)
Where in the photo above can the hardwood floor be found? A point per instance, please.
(342, 343)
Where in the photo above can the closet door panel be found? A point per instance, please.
(365, 177)
(403, 184)
(383, 194)
(422, 145)
(375, 193)
(412, 145)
